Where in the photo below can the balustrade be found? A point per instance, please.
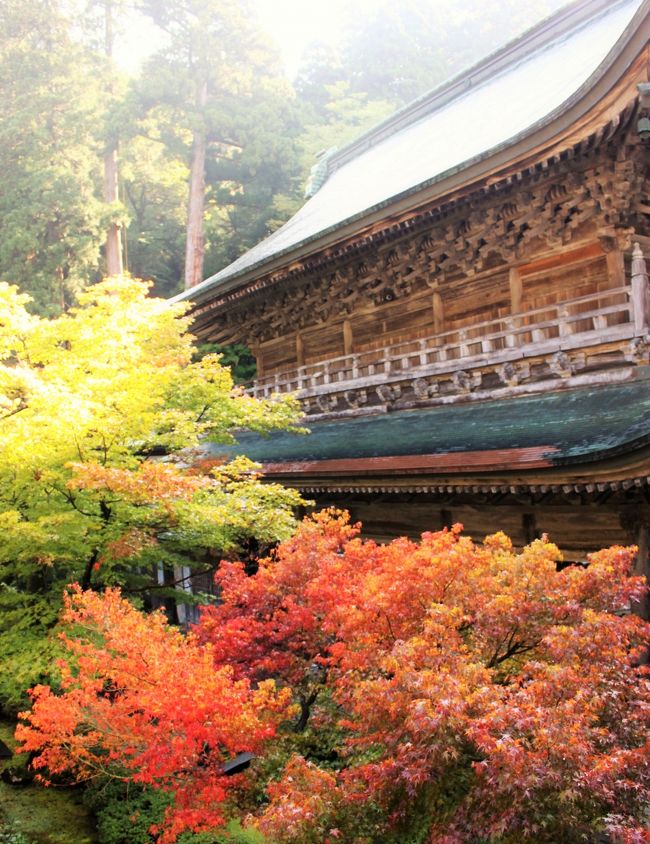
(604, 316)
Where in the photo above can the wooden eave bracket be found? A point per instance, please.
(421, 218)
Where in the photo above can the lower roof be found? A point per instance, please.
(569, 427)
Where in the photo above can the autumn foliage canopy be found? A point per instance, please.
(102, 411)
(468, 693)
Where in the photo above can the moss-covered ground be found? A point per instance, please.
(31, 814)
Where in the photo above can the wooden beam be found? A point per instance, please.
(562, 258)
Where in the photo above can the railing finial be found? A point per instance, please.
(640, 297)
(638, 261)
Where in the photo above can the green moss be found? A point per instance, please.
(31, 814)
(125, 813)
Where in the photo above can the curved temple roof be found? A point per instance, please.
(578, 426)
(501, 100)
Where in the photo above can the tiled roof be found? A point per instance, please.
(501, 100)
(581, 425)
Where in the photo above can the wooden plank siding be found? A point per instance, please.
(577, 527)
(528, 292)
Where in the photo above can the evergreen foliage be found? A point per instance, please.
(51, 219)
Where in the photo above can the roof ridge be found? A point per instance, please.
(567, 19)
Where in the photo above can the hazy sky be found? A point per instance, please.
(295, 23)
(292, 24)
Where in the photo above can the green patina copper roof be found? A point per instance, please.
(577, 425)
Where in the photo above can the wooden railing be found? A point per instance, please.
(601, 317)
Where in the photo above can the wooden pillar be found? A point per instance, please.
(642, 567)
(639, 291)
(516, 294)
(300, 350)
(259, 361)
(514, 278)
(635, 520)
(615, 267)
(529, 527)
(446, 519)
(348, 340)
(438, 312)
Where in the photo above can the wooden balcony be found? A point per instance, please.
(602, 318)
(616, 319)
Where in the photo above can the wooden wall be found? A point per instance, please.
(578, 526)
(457, 302)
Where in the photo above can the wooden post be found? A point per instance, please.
(514, 278)
(616, 267)
(512, 338)
(529, 527)
(355, 367)
(347, 337)
(642, 567)
(639, 291)
(516, 292)
(438, 313)
(446, 519)
(259, 361)
(634, 518)
(463, 345)
(564, 325)
(300, 350)
(423, 352)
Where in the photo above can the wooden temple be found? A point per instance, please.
(462, 307)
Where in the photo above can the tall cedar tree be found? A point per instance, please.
(210, 76)
(50, 218)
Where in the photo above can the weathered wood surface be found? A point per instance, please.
(502, 290)
(572, 324)
(578, 525)
(519, 279)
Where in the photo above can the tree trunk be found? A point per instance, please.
(195, 247)
(306, 703)
(113, 239)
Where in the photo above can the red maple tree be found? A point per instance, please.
(473, 678)
(481, 693)
(140, 701)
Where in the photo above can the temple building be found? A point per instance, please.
(462, 306)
